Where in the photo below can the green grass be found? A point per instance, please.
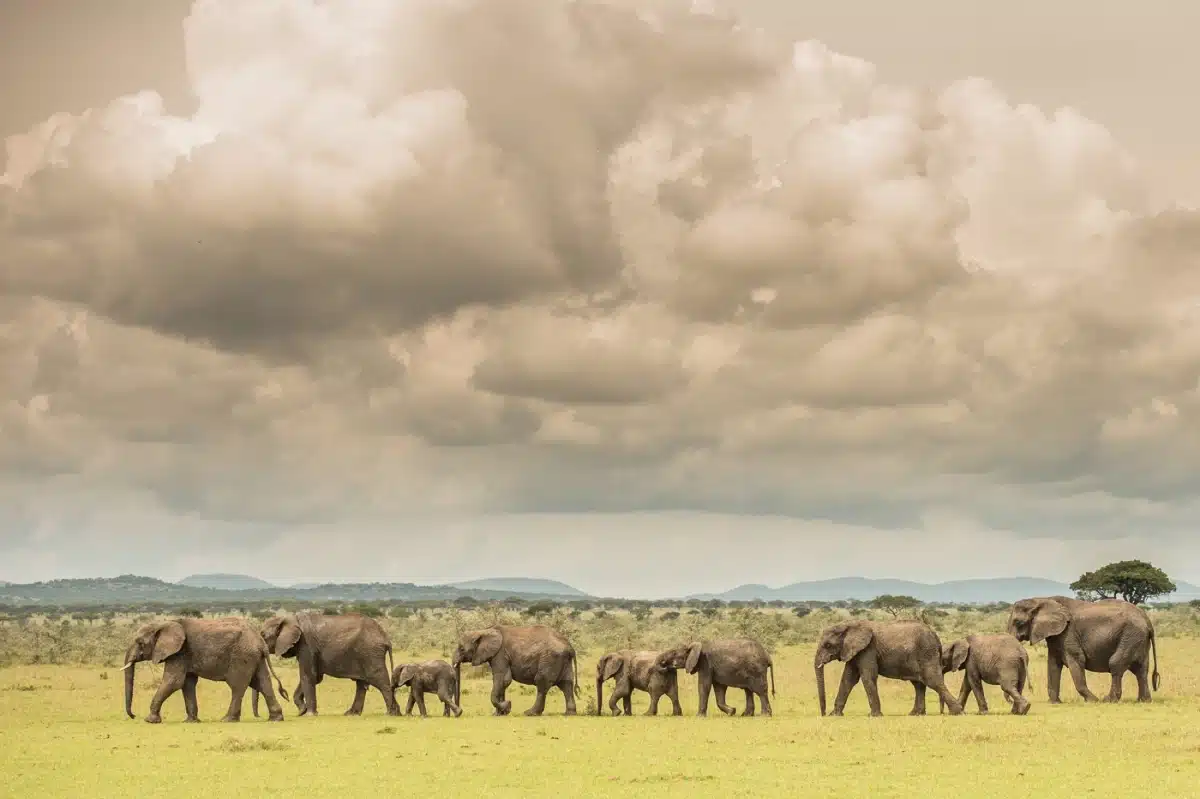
(63, 733)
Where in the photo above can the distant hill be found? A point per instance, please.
(225, 582)
(1001, 589)
(524, 585)
(134, 589)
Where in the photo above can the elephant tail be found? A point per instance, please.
(391, 665)
(1155, 679)
(283, 693)
(574, 672)
(771, 668)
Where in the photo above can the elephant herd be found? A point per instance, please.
(1109, 635)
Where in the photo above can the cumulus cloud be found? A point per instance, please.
(428, 257)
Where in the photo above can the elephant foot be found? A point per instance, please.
(876, 713)
(570, 712)
(983, 711)
(352, 712)
(677, 711)
(1054, 700)
(729, 712)
(533, 711)
(1144, 699)
(836, 713)
(192, 720)
(154, 718)
(915, 712)
(231, 719)
(394, 712)
(275, 716)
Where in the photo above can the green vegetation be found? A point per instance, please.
(63, 732)
(894, 604)
(1132, 580)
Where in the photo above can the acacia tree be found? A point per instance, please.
(1135, 581)
(894, 604)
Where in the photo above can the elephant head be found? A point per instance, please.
(839, 642)
(607, 667)
(282, 634)
(954, 657)
(686, 657)
(1035, 620)
(403, 675)
(154, 642)
(477, 647)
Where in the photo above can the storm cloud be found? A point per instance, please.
(489, 264)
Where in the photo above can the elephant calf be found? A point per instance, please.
(635, 669)
(721, 664)
(431, 675)
(992, 659)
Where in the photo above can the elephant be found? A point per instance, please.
(722, 664)
(225, 650)
(1109, 635)
(900, 650)
(430, 675)
(349, 646)
(534, 655)
(992, 659)
(635, 669)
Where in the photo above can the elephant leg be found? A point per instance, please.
(1053, 677)
(567, 686)
(379, 679)
(703, 686)
(237, 693)
(656, 692)
(501, 679)
(1141, 670)
(308, 686)
(420, 693)
(977, 689)
(298, 698)
(932, 677)
(360, 698)
(673, 693)
(1114, 691)
(749, 711)
(262, 682)
(1075, 666)
(189, 698)
(850, 678)
(918, 708)
(446, 694)
(627, 703)
(719, 690)
(870, 681)
(412, 700)
(964, 691)
(1009, 685)
(764, 699)
(539, 701)
(615, 700)
(173, 679)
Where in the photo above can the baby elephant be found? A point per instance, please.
(431, 675)
(635, 670)
(992, 659)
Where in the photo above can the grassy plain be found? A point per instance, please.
(63, 733)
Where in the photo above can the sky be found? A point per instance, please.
(643, 297)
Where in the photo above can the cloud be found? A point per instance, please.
(573, 257)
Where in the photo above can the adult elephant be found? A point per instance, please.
(722, 664)
(349, 646)
(223, 650)
(536, 655)
(635, 669)
(1109, 635)
(899, 650)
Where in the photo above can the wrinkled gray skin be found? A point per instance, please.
(223, 650)
(349, 646)
(722, 664)
(537, 655)
(899, 650)
(635, 669)
(430, 675)
(993, 659)
(1110, 635)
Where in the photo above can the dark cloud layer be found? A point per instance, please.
(567, 257)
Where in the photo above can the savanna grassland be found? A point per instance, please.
(63, 732)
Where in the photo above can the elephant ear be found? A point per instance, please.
(857, 638)
(1050, 619)
(167, 641)
(612, 666)
(959, 651)
(406, 674)
(693, 658)
(289, 636)
(487, 646)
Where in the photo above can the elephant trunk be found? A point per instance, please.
(129, 669)
(819, 669)
(599, 694)
(458, 682)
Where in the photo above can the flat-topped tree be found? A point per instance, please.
(1135, 581)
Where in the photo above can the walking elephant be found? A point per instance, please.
(349, 646)
(1109, 635)
(899, 650)
(223, 650)
(536, 655)
(992, 659)
(722, 664)
(635, 670)
(431, 675)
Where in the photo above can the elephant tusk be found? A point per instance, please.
(127, 666)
